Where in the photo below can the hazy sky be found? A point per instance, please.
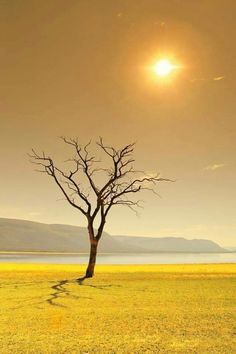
(80, 68)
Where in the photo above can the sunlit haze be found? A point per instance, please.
(158, 73)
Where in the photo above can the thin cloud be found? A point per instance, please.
(218, 78)
(214, 166)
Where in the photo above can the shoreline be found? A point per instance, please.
(103, 253)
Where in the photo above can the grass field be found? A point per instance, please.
(124, 309)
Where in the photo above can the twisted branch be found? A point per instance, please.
(120, 185)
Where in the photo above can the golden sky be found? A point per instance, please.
(82, 68)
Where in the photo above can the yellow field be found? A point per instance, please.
(124, 309)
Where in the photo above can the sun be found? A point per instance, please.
(163, 67)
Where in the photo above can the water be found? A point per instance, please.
(143, 258)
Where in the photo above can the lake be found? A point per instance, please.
(143, 258)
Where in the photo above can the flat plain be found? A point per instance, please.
(123, 309)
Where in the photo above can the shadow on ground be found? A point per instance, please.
(60, 290)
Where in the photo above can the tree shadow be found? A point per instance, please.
(59, 289)
(80, 281)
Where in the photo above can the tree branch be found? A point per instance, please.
(50, 169)
(120, 185)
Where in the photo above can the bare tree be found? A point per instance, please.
(120, 183)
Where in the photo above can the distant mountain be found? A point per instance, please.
(171, 244)
(23, 235)
(231, 249)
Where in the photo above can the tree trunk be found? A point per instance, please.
(92, 259)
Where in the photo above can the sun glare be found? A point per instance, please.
(163, 67)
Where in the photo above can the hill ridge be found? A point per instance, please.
(24, 235)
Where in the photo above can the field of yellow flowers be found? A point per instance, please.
(124, 309)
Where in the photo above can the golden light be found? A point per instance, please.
(163, 67)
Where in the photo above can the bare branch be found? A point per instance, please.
(120, 186)
(84, 159)
(52, 171)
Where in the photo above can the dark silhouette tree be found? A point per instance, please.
(120, 183)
